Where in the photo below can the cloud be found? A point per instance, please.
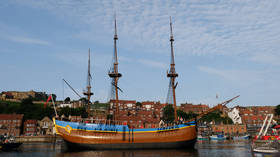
(15, 34)
(237, 30)
(200, 28)
(152, 63)
(27, 40)
(266, 58)
(235, 75)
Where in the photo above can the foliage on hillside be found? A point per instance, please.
(26, 107)
(277, 110)
(98, 105)
(216, 117)
(168, 114)
(66, 111)
(37, 111)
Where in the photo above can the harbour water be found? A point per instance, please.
(202, 149)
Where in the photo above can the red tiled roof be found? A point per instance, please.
(148, 103)
(125, 101)
(11, 116)
(30, 121)
(246, 111)
(8, 93)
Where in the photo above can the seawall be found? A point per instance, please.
(37, 139)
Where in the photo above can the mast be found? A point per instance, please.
(88, 93)
(114, 74)
(171, 97)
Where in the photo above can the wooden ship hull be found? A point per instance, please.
(103, 136)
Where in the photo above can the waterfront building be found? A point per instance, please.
(20, 95)
(229, 129)
(30, 127)
(255, 115)
(204, 129)
(72, 104)
(10, 124)
(75, 118)
(198, 109)
(45, 126)
(139, 115)
(233, 114)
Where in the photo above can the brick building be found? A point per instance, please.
(198, 109)
(75, 118)
(30, 127)
(229, 129)
(255, 115)
(10, 124)
(139, 115)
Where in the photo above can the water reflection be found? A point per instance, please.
(202, 149)
(224, 148)
(132, 153)
(265, 155)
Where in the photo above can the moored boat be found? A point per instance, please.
(9, 146)
(245, 137)
(264, 143)
(266, 146)
(105, 136)
(202, 138)
(114, 134)
(8, 143)
(217, 137)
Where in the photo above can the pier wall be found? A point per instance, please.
(37, 139)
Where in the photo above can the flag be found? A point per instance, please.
(217, 96)
(49, 98)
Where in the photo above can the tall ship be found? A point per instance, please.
(114, 134)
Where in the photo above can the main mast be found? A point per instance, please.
(114, 74)
(171, 97)
(88, 93)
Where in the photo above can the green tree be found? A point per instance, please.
(26, 107)
(186, 116)
(109, 116)
(84, 100)
(277, 110)
(139, 104)
(67, 99)
(66, 111)
(168, 113)
(54, 97)
(216, 116)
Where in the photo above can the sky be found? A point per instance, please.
(222, 48)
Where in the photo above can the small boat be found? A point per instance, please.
(8, 143)
(217, 137)
(265, 146)
(264, 143)
(245, 137)
(202, 138)
(9, 146)
(265, 150)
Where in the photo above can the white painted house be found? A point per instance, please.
(234, 116)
